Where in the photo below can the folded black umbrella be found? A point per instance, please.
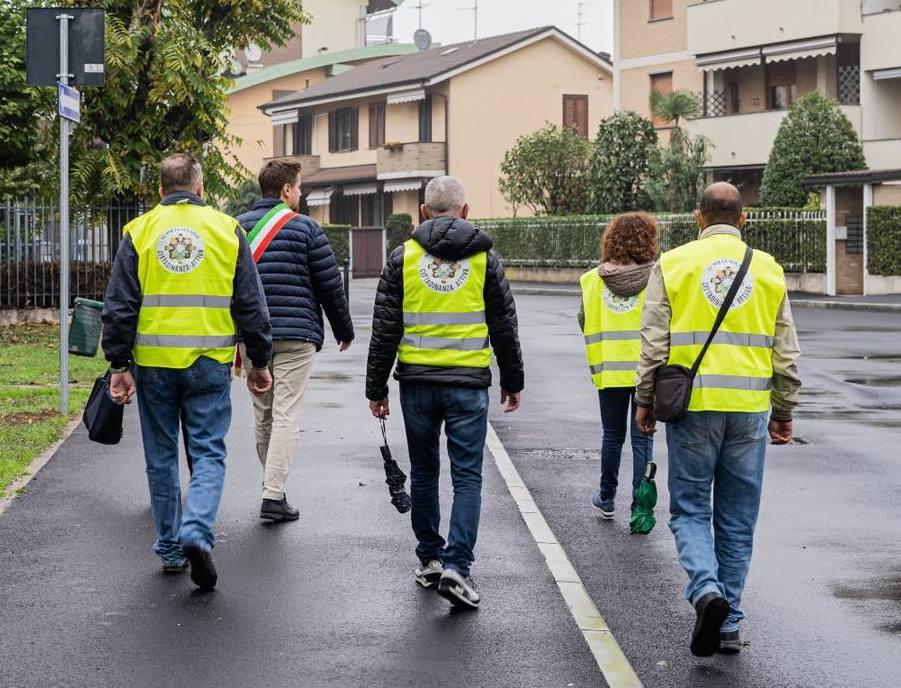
(394, 477)
(103, 416)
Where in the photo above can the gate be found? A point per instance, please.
(367, 251)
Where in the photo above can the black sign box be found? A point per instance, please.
(86, 46)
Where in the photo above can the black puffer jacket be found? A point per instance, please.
(300, 276)
(450, 239)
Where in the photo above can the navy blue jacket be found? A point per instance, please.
(300, 277)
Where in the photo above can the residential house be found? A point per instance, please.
(747, 61)
(370, 138)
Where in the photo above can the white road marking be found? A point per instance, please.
(607, 652)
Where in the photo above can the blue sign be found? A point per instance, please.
(69, 102)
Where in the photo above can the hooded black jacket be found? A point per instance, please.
(450, 239)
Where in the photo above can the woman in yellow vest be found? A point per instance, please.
(612, 301)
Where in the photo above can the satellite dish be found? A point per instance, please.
(422, 39)
(253, 52)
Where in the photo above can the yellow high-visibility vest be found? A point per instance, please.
(612, 332)
(737, 371)
(444, 310)
(186, 267)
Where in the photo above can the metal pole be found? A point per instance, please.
(64, 223)
(347, 279)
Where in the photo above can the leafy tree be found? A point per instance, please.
(25, 160)
(814, 137)
(677, 174)
(165, 91)
(675, 106)
(242, 198)
(625, 149)
(547, 171)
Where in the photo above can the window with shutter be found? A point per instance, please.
(344, 128)
(376, 125)
(333, 131)
(303, 137)
(661, 9)
(278, 141)
(575, 113)
(425, 120)
(662, 84)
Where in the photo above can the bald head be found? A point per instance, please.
(720, 205)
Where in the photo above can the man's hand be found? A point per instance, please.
(259, 381)
(343, 346)
(122, 387)
(380, 409)
(511, 399)
(780, 431)
(646, 420)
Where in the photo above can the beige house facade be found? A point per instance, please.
(747, 61)
(370, 139)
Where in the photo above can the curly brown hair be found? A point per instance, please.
(630, 238)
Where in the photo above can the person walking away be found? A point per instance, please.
(300, 278)
(720, 445)
(183, 279)
(441, 298)
(612, 299)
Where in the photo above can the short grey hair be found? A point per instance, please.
(445, 196)
(180, 172)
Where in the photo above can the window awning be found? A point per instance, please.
(403, 185)
(320, 197)
(360, 189)
(881, 74)
(732, 60)
(280, 118)
(406, 96)
(800, 50)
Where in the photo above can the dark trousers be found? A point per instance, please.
(464, 414)
(618, 415)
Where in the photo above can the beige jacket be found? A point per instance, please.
(655, 324)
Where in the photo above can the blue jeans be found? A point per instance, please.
(200, 396)
(464, 413)
(615, 418)
(724, 451)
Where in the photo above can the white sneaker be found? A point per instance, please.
(429, 574)
(458, 590)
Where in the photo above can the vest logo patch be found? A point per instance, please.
(444, 276)
(180, 250)
(619, 304)
(717, 280)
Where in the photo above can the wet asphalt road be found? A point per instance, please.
(824, 594)
(329, 601)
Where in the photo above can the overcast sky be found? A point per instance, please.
(449, 22)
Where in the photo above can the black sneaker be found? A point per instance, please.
(278, 510)
(712, 611)
(458, 590)
(203, 573)
(730, 643)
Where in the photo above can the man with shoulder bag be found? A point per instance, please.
(718, 357)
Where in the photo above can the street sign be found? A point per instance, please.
(86, 46)
(69, 101)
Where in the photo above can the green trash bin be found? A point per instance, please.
(84, 334)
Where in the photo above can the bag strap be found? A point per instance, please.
(727, 303)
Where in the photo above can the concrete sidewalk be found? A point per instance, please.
(887, 303)
(326, 601)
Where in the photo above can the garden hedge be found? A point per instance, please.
(884, 240)
(338, 238)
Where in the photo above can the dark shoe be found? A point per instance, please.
(730, 643)
(429, 574)
(203, 573)
(458, 590)
(605, 507)
(174, 568)
(712, 611)
(278, 510)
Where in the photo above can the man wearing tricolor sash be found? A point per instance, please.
(301, 279)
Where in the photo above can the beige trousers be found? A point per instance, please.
(277, 412)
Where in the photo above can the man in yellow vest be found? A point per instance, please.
(182, 282)
(441, 300)
(749, 373)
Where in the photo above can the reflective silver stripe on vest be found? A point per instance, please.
(185, 341)
(732, 338)
(466, 344)
(740, 382)
(477, 318)
(614, 366)
(186, 301)
(618, 336)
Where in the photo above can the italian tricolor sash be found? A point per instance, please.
(265, 230)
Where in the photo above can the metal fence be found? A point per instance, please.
(29, 250)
